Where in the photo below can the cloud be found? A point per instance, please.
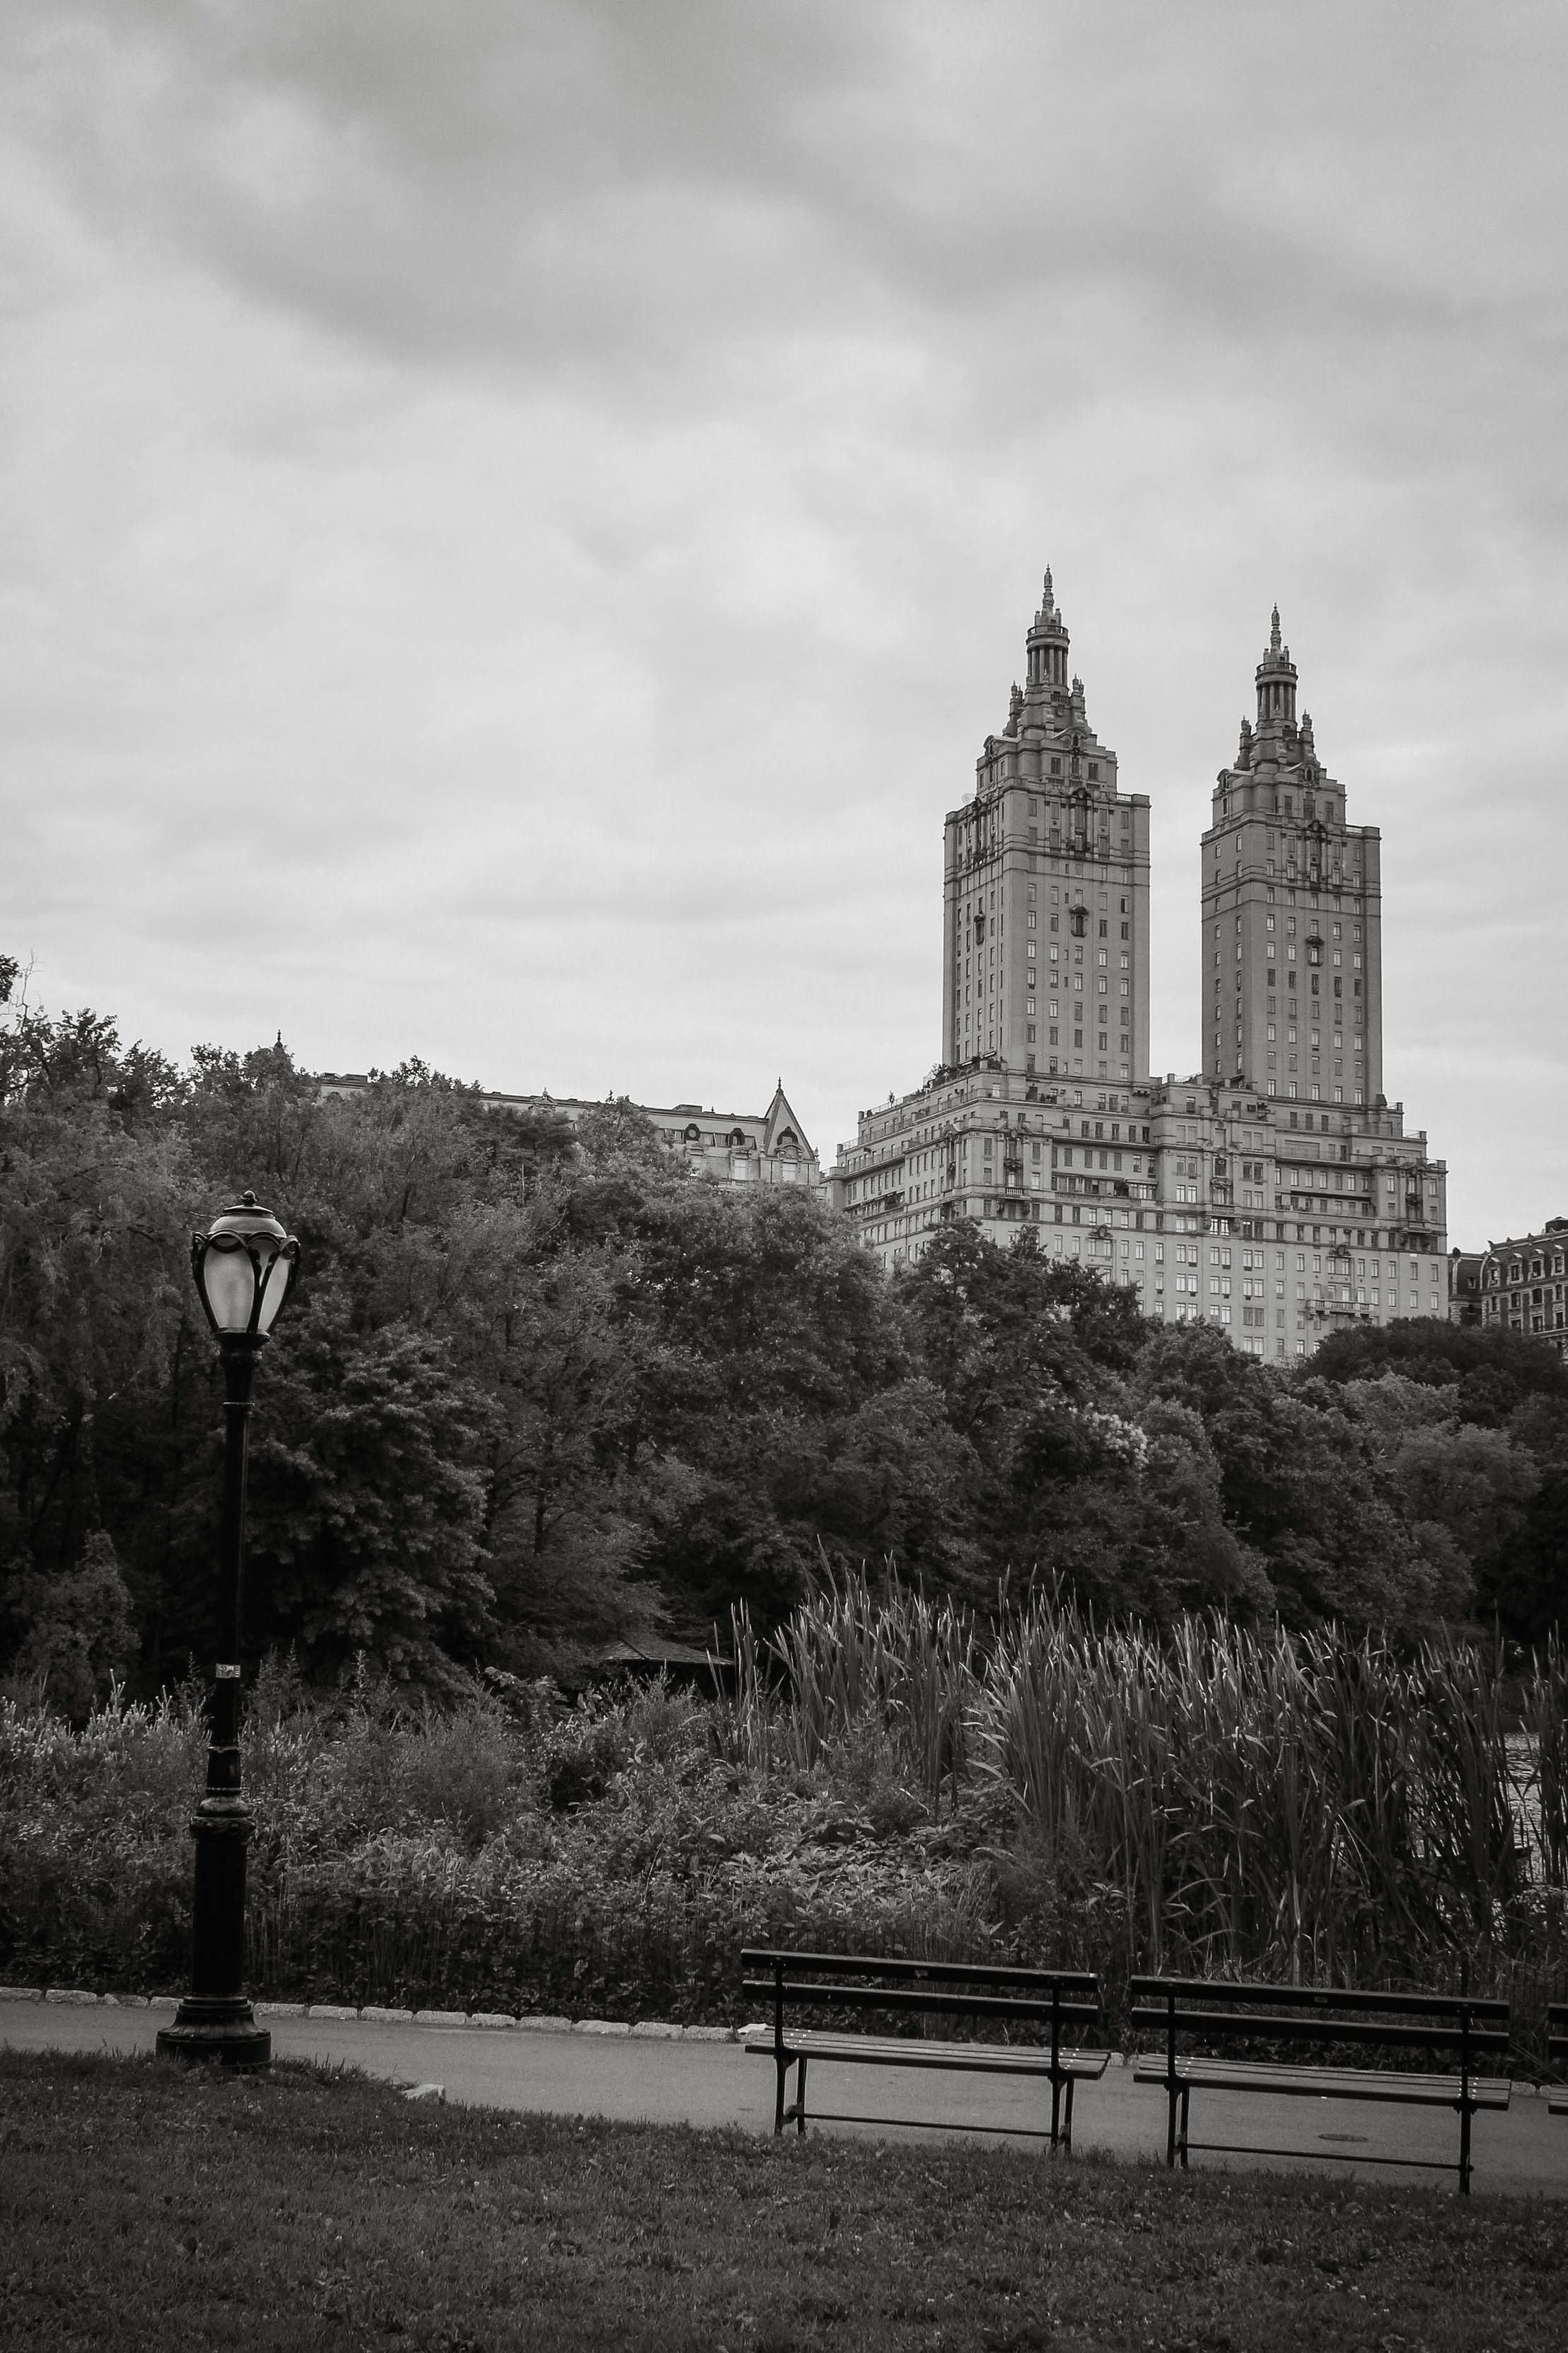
(516, 519)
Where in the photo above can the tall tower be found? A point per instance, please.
(1292, 920)
(1046, 929)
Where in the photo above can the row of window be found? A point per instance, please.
(1007, 766)
(1078, 914)
(1336, 931)
(1520, 1270)
(1056, 957)
(1032, 923)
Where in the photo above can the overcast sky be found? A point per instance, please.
(516, 519)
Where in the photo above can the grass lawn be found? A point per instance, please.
(144, 2206)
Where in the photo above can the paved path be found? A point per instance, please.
(631, 2079)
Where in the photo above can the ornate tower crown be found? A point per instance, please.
(1276, 682)
(1046, 644)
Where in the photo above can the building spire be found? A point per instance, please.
(1276, 681)
(1048, 646)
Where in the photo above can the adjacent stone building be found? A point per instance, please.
(1278, 1193)
(1465, 1285)
(1523, 1284)
(767, 1147)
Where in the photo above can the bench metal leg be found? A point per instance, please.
(1062, 2115)
(1178, 2148)
(800, 2100)
(1464, 2146)
(1172, 2095)
(783, 2063)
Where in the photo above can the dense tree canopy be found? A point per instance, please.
(537, 1391)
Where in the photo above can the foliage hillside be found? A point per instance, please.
(537, 1394)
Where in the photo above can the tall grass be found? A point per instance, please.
(1311, 1806)
(847, 1658)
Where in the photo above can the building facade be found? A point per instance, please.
(1213, 1205)
(1524, 1284)
(767, 1147)
(1277, 1200)
(1465, 1285)
(1046, 889)
(1292, 915)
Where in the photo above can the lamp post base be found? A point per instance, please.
(218, 2028)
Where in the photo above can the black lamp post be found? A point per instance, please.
(245, 1269)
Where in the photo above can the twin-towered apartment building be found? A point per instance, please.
(1277, 1193)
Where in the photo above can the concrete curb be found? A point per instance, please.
(487, 2021)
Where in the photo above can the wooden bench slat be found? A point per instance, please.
(964, 2058)
(1303, 2028)
(957, 2005)
(1557, 2106)
(951, 1972)
(1326, 1998)
(1200, 2075)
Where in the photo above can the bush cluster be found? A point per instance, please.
(901, 1781)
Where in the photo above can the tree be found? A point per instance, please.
(367, 1499)
(760, 1330)
(94, 1217)
(1303, 1488)
(74, 1631)
(617, 1136)
(1489, 1363)
(1528, 1585)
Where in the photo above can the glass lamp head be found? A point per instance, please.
(244, 1266)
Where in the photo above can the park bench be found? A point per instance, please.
(1220, 2015)
(1557, 2053)
(1049, 2006)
